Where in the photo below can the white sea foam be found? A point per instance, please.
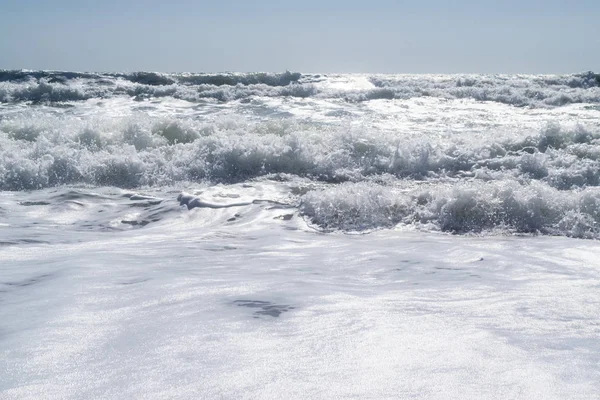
(299, 236)
(129, 144)
(207, 307)
(476, 207)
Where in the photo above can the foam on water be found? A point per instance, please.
(507, 152)
(476, 207)
(262, 311)
(41, 150)
(299, 236)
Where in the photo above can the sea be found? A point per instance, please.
(299, 236)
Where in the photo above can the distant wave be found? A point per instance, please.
(49, 87)
(58, 86)
(154, 78)
(517, 90)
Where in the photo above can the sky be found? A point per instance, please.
(378, 36)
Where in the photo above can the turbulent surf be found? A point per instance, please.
(457, 153)
(291, 235)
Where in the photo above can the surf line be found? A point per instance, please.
(195, 202)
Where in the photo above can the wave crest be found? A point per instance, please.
(468, 207)
(172, 150)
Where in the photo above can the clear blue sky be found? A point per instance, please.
(428, 36)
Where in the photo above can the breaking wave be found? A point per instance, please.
(466, 207)
(451, 153)
(40, 150)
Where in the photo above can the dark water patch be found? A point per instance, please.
(235, 217)
(137, 223)
(135, 196)
(34, 203)
(51, 76)
(29, 281)
(73, 195)
(151, 213)
(339, 113)
(144, 108)
(221, 248)
(264, 307)
(282, 79)
(17, 242)
(63, 170)
(119, 173)
(150, 78)
(146, 204)
(406, 264)
(142, 200)
(134, 281)
(301, 190)
(410, 262)
(285, 217)
(63, 105)
(76, 203)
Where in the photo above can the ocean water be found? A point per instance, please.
(270, 236)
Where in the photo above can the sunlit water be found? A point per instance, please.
(299, 236)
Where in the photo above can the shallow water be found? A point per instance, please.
(267, 309)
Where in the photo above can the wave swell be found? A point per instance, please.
(50, 87)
